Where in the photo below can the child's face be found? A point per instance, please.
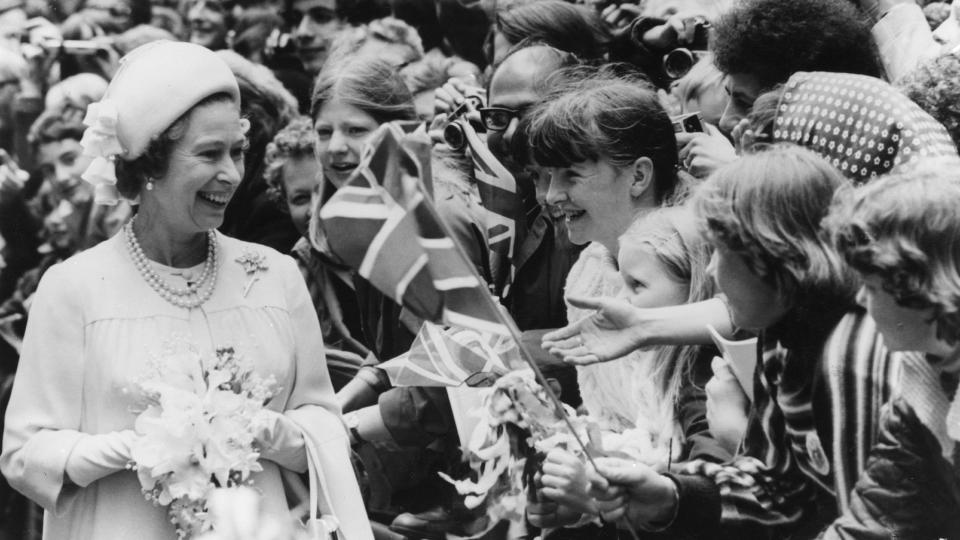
(647, 281)
(754, 304)
(903, 328)
(301, 178)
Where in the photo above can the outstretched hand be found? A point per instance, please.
(607, 334)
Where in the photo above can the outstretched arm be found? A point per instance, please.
(617, 328)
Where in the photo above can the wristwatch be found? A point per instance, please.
(353, 426)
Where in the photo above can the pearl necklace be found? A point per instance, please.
(189, 297)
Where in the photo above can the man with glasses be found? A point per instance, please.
(545, 254)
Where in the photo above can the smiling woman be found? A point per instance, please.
(168, 135)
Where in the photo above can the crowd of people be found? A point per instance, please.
(686, 172)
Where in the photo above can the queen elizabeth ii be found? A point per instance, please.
(168, 135)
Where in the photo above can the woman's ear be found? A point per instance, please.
(643, 177)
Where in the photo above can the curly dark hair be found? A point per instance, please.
(904, 229)
(935, 87)
(296, 139)
(773, 39)
(132, 175)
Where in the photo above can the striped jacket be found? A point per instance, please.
(818, 394)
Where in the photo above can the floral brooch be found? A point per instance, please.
(253, 263)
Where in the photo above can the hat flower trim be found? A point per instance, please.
(101, 143)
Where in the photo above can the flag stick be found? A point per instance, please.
(514, 333)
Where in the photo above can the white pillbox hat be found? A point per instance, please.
(156, 84)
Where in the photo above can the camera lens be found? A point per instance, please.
(454, 137)
(678, 63)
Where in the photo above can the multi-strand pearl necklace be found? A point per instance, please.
(191, 296)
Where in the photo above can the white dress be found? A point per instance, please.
(93, 326)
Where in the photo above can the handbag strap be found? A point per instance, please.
(319, 493)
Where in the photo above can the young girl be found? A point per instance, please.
(901, 235)
(662, 260)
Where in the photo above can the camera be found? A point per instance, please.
(453, 131)
(659, 56)
(688, 123)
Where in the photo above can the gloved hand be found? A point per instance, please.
(96, 456)
(281, 441)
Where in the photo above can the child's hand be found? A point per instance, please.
(565, 481)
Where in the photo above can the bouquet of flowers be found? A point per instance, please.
(197, 432)
(518, 423)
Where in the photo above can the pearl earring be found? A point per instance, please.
(149, 185)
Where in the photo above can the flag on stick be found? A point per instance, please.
(502, 206)
(382, 223)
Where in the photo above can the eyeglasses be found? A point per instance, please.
(498, 118)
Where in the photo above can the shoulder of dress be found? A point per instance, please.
(102, 259)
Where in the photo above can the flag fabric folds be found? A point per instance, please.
(383, 224)
(502, 206)
(452, 357)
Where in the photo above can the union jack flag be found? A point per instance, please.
(382, 223)
(502, 206)
(452, 357)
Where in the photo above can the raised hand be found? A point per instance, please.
(453, 93)
(703, 153)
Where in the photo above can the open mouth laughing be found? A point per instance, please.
(217, 200)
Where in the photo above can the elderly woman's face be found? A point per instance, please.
(205, 167)
(595, 198)
(342, 130)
